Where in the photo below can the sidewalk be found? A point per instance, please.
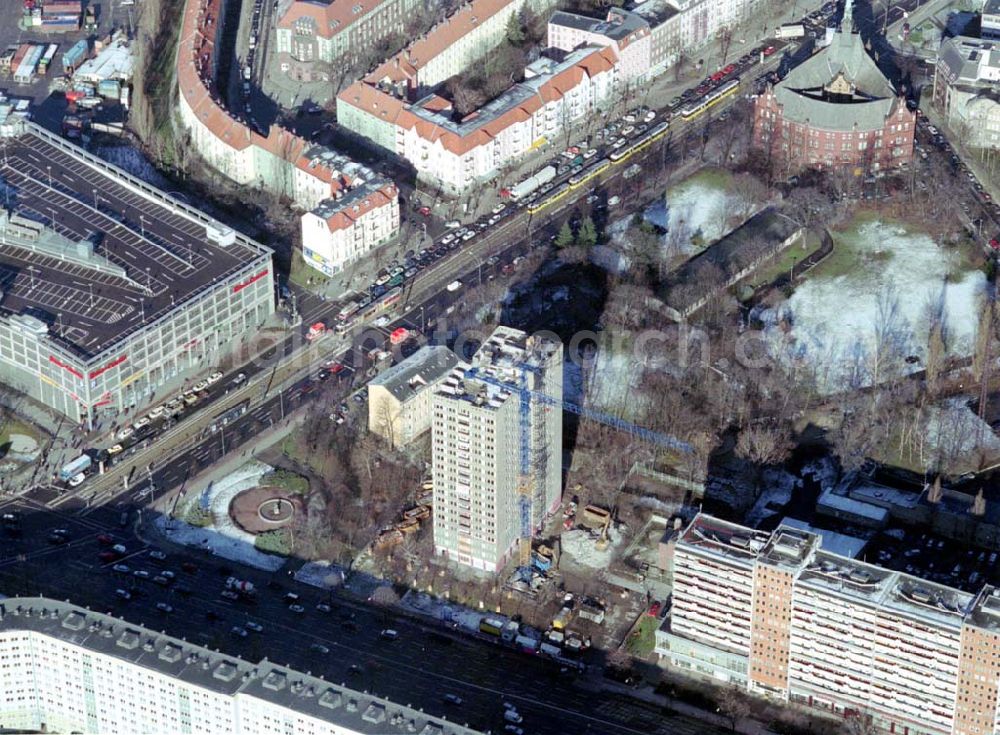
(646, 694)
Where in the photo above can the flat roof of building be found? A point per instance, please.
(147, 254)
(831, 501)
(717, 536)
(849, 577)
(497, 368)
(655, 12)
(214, 671)
(832, 541)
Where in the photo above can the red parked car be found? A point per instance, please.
(729, 69)
(105, 540)
(718, 76)
(769, 50)
(426, 211)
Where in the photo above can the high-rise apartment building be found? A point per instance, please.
(774, 613)
(68, 669)
(480, 431)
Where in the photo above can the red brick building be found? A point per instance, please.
(835, 110)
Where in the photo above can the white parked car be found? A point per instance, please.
(214, 377)
(499, 208)
(125, 433)
(255, 627)
(157, 554)
(649, 116)
(451, 225)
(77, 480)
(164, 607)
(454, 285)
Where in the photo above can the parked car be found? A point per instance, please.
(388, 634)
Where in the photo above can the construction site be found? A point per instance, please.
(541, 569)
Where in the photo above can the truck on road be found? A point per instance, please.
(790, 30)
(240, 586)
(77, 466)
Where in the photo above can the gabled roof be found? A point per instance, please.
(329, 18)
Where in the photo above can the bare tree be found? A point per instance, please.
(725, 38)
(735, 706)
(860, 723)
(764, 445)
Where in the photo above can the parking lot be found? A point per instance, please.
(159, 256)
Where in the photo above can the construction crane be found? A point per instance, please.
(526, 483)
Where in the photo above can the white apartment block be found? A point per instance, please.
(399, 399)
(351, 209)
(776, 614)
(67, 669)
(480, 432)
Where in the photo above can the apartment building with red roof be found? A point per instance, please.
(315, 178)
(311, 33)
(400, 108)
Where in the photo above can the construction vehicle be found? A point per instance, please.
(526, 397)
(543, 558)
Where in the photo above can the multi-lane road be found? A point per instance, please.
(425, 662)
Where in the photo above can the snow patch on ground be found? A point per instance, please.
(954, 429)
(130, 159)
(580, 546)
(697, 206)
(426, 604)
(223, 538)
(320, 574)
(898, 277)
(614, 383)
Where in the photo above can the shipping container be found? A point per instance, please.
(60, 25)
(109, 88)
(75, 56)
(50, 52)
(62, 7)
(25, 73)
(19, 55)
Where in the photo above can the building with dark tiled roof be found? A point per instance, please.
(835, 110)
(399, 400)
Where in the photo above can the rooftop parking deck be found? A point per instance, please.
(94, 253)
